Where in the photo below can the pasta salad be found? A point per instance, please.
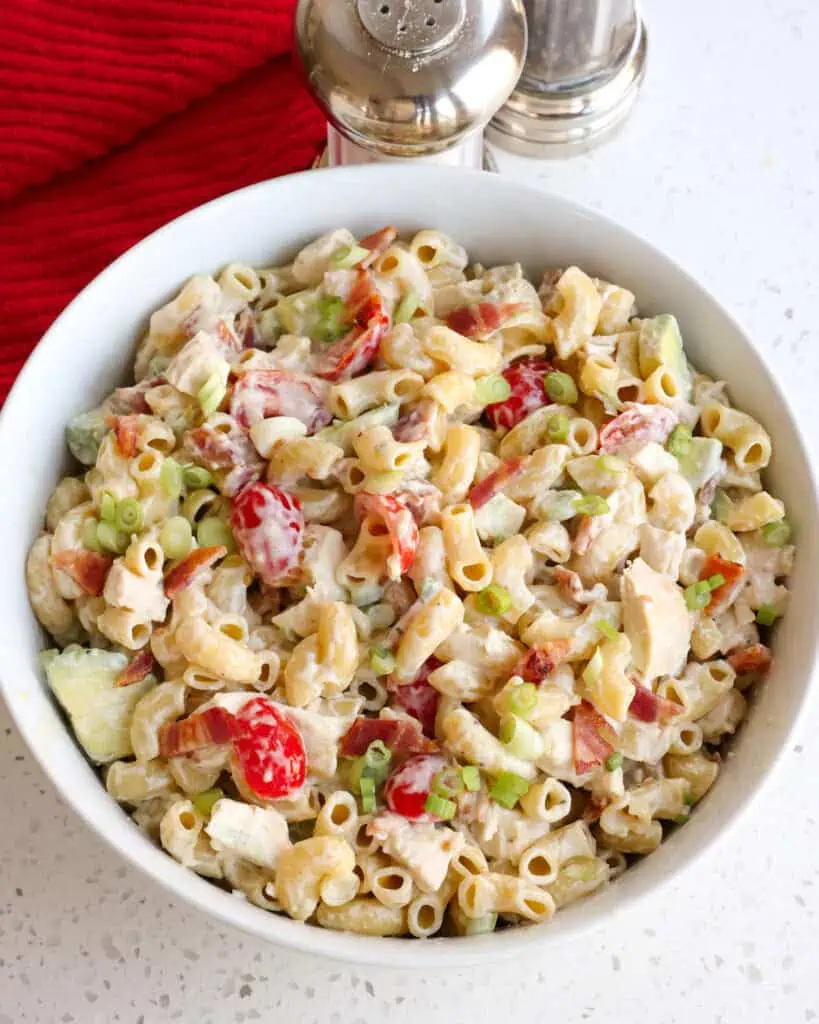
(404, 597)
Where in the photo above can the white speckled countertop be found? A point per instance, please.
(719, 166)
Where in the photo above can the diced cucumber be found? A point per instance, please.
(701, 461)
(660, 344)
(82, 680)
(84, 435)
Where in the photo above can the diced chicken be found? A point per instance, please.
(200, 358)
(124, 589)
(504, 834)
(257, 834)
(651, 462)
(662, 549)
(320, 734)
(656, 621)
(425, 850)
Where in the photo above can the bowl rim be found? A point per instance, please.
(343, 946)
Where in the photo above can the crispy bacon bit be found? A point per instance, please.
(492, 484)
(526, 379)
(130, 400)
(424, 501)
(400, 525)
(232, 454)
(418, 698)
(483, 318)
(539, 662)
(402, 735)
(86, 568)
(636, 426)
(414, 424)
(260, 394)
(247, 329)
(571, 586)
(593, 738)
(183, 574)
(126, 429)
(353, 353)
(648, 707)
(378, 243)
(136, 670)
(214, 727)
(755, 658)
(734, 573)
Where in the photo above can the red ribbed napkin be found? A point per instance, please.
(117, 117)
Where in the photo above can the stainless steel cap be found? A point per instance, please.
(408, 78)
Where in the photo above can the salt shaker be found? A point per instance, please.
(410, 79)
(584, 66)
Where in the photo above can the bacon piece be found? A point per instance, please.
(126, 429)
(183, 574)
(214, 727)
(247, 329)
(400, 525)
(268, 525)
(526, 378)
(423, 501)
(592, 738)
(136, 670)
(402, 735)
(636, 426)
(754, 658)
(483, 318)
(378, 243)
(539, 662)
(648, 707)
(353, 353)
(260, 394)
(571, 587)
(86, 568)
(492, 484)
(734, 573)
(126, 401)
(232, 454)
(418, 698)
(414, 424)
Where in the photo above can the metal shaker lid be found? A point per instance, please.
(409, 78)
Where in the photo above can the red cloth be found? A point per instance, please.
(115, 117)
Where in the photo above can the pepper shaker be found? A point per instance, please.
(584, 67)
(410, 79)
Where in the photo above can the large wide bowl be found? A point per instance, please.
(89, 350)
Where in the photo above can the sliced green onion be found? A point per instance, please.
(367, 789)
(108, 507)
(508, 788)
(448, 783)
(348, 256)
(520, 739)
(211, 394)
(176, 537)
(679, 443)
(721, 506)
(681, 819)
(703, 587)
(611, 464)
(591, 505)
(777, 534)
(170, 478)
(406, 308)
(195, 477)
(89, 535)
(522, 699)
(560, 387)
(560, 506)
(472, 778)
(695, 598)
(378, 755)
(606, 628)
(129, 515)
(766, 615)
(213, 532)
(494, 600)
(688, 799)
(382, 661)
(203, 802)
(557, 428)
(614, 761)
(332, 321)
(717, 580)
(489, 390)
(111, 539)
(440, 806)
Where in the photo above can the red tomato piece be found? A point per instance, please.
(592, 738)
(136, 670)
(400, 524)
(733, 572)
(353, 353)
(755, 658)
(408, 787)
(184, 573)
(260, 394)
(419, 698)
(526, 379)
(268, 751)
(86, 568)
(493, 483)
(648, 707)
(636, 426)
(268, 525)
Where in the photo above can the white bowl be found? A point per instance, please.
(89, 350)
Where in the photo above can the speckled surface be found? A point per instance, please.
(719, 167)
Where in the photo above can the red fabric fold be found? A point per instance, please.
(116, 118)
